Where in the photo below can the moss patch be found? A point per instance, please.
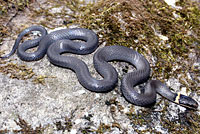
(17, 71)
(139, 25)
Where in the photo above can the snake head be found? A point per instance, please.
(187, 102)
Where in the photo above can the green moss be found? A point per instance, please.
(64, 127)
(8, 10)
(103, 128)
(7, 5)
(40, 79)
(16, 71)
(26, 128)
(143, 118)
(21, 72)
(134, 25)
(187, 123)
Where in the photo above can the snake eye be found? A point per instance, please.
(188, 102)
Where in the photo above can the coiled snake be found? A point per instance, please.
(62, 41)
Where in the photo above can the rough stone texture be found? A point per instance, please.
(63, 97)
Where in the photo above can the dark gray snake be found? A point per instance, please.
(62, 41)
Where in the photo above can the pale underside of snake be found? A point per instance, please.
(62, 41)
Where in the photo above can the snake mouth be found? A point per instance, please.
(186, 102)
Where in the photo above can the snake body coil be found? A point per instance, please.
(62, 41)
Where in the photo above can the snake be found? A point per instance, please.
(84, 41)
